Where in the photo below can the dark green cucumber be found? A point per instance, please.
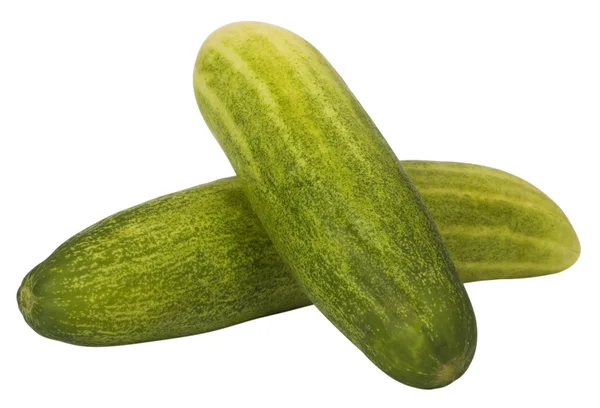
(181, 264)
(199, 260)
(335, 201)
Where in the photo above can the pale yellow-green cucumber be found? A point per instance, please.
(335, 202)
(199, 260)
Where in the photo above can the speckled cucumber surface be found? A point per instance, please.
(199, 260)
(495, 225)
(335, 202)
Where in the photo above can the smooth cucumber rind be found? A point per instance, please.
(220, 212)
(335, 201)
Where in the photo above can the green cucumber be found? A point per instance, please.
(495, 225)
(335, 202)
(199, 260)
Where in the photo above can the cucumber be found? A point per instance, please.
(199, 260)
(335, 202)
(495, 225)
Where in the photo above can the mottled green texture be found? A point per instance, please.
(170, 267)
(335, 201)
(199, 260)
(495, 225)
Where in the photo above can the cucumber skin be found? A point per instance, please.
(134, 277)
(335, 201)
(495, 225)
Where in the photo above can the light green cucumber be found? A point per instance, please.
(495, 225)
(335, 202)
(199, 260)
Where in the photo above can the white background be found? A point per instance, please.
(97, 114)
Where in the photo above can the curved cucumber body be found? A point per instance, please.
(495, 225)
(335, 202)
(199, 260)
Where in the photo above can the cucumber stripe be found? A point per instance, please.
(488, 197)
(504, 233)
